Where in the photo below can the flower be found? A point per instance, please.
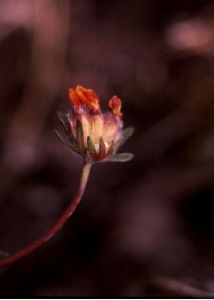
(89, 131)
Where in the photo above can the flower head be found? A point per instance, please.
(89, 131)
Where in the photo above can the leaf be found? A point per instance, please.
(3, 255)
(80, 136)
(121, 157)
(127, 133)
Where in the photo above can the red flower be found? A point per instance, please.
(94, 134)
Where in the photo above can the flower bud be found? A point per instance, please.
(93, 134)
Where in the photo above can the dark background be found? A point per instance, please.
(145, 227)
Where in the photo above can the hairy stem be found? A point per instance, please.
(57, 226)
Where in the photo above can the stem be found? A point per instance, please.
(57, 226)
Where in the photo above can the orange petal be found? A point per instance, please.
(115, 105)
(75, 101)
(88, 97)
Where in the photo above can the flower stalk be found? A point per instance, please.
(59, 223)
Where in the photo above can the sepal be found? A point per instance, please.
(80, 137)
(64, 119)
(102, 149)
(121, 157)
(126, 134)
(66, 141)
(60, 137)
(91, 147)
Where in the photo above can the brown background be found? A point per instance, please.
(146, 227)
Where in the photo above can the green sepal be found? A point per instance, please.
(121, 157)
(66, 141)
(62, 140)
(90, 146)
(127, 133)
(80, 137)
(64, 120)
(3, 254)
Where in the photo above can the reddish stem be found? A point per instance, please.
(57, 226)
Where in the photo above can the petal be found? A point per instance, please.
(74, 98)
(112, 128)
(88, 97)
(96, 123)
(86, 126)
(115, 105)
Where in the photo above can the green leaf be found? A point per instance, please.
(127, 133)
(80, 136)
(121, 157)
(3, 255)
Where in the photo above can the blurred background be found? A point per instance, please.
(143, 228)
